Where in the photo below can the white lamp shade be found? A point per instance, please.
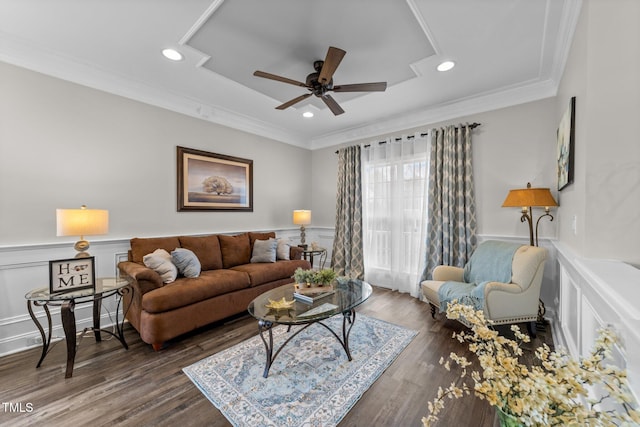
(82, 222)
(302, 217)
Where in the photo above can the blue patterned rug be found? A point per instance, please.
(311, 382)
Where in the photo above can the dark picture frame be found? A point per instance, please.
(213, 182)
(68, 275)
(566, 145)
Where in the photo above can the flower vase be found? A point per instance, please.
(507, 420)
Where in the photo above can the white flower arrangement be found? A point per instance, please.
(559, 390)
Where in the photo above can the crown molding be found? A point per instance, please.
(23, 54)
(506, 97)
(26, 55)
(569, 22)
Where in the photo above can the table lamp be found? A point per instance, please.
(82, 222)
(302, 218)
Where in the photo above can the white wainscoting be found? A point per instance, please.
(23, 268)
(597, 293)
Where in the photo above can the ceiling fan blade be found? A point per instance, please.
(278, 78)
(293, 101)
(362, 87)
(332, 104)
(331, 62)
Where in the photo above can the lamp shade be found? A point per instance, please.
(82, 222)
(302, 217)
(528, 197)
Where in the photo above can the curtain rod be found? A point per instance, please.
(471, 126)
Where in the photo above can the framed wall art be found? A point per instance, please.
(66, 275)
(566, 142)
(210, 181)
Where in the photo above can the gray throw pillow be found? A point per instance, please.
(264, 250)
(187, 262)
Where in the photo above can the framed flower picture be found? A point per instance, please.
(566, 142)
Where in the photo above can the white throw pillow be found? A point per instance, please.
(264, 250)
(160, 262)
(284, 249)
(187, 262)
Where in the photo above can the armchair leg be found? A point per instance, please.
(531, 328)
(433, 311)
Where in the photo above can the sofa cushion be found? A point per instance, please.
(160, 262)
(143, 246)
(264, 250)
(206, 248)
(186, 262)
(283, 251)
(185, 291)
(260, 273)
(260, 236)
(235, 250)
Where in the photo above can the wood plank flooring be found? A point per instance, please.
(139, 387)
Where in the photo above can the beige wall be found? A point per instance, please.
(518, 144)
(63, 145)
(603, 73)
(513, 146)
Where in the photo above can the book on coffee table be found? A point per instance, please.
(313, 294)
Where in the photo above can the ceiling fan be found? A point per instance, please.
(321, 82)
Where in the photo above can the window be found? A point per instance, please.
(394, 213)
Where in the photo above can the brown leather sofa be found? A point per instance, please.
(227, 283)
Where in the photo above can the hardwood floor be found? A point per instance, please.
(140, 387)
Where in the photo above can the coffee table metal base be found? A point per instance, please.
(348, 316)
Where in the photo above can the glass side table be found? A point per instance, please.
(308, 254)
(105, 288)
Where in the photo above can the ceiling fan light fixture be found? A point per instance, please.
(321, 82)
(172, 54)
(446, 66)
(307, 114)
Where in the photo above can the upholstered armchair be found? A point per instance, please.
(503, 301)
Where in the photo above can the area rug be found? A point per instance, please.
(311, 382)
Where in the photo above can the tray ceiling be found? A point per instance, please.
(506, 52)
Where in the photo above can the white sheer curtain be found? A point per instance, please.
(394, 187)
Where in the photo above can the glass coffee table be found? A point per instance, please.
(278, 307)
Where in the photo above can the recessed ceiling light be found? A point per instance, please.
(307, 114)
(172, 54)
(446, 66)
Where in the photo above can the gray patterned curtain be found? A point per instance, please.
(346, 258)
(451, 226)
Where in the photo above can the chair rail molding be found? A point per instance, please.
(26, 267)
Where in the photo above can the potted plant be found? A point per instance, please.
(324, 276)
(304, 277)
(557, 390)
